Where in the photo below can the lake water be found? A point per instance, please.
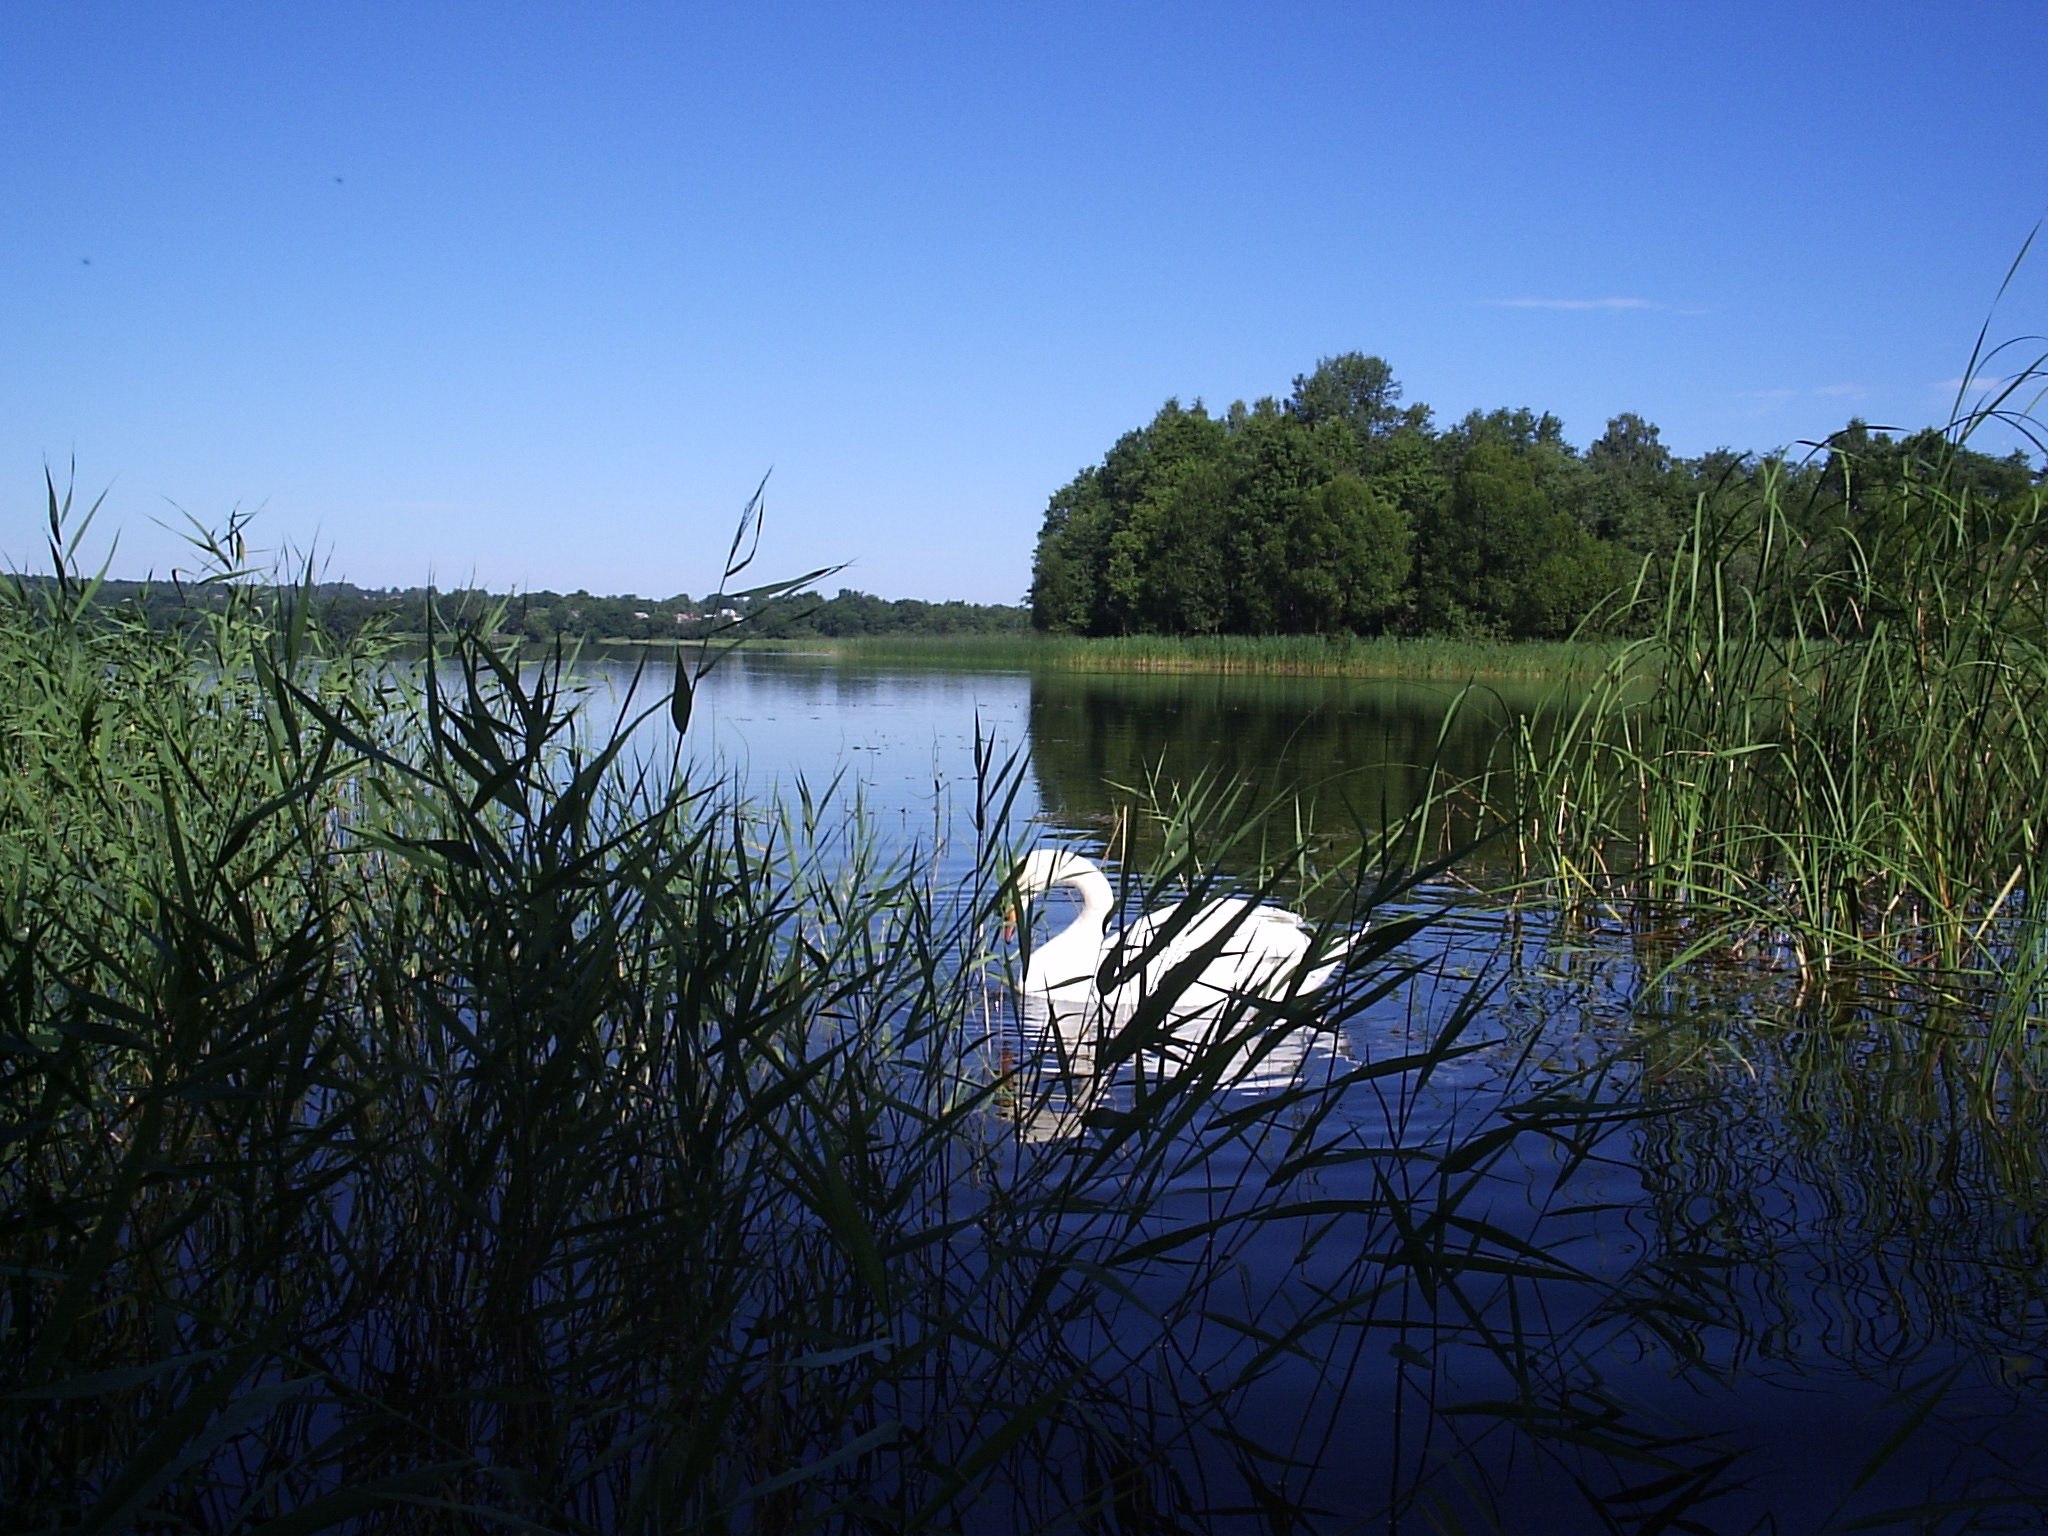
(1812, 1294)
(1337, 751)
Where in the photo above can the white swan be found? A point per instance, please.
(1249, 950)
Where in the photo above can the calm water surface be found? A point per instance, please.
(1821, 1294)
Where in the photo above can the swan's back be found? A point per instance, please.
(1246, 948)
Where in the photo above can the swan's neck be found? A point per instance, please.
(1070, 957)
(1098, 900)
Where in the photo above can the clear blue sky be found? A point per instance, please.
(536, 294)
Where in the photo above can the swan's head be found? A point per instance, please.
(1043, 868)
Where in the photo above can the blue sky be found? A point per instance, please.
(535, 294)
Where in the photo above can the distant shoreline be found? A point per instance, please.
(346, 609)
(1268, 655)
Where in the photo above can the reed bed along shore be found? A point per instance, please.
(1273, 655)
(423, 1114)
(1827, 755)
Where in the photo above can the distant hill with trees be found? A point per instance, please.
(1340, 510)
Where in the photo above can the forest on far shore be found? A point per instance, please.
(1342, 511)
(344, 610)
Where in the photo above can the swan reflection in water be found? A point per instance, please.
(1230, 974)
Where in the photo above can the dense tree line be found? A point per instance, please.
(1342, 511)
(344, 610)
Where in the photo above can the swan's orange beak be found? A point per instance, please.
(1009, 922)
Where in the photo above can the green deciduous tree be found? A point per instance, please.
(1343, 510)
(1348, 550)
(1352, 389)
(1073, 549)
